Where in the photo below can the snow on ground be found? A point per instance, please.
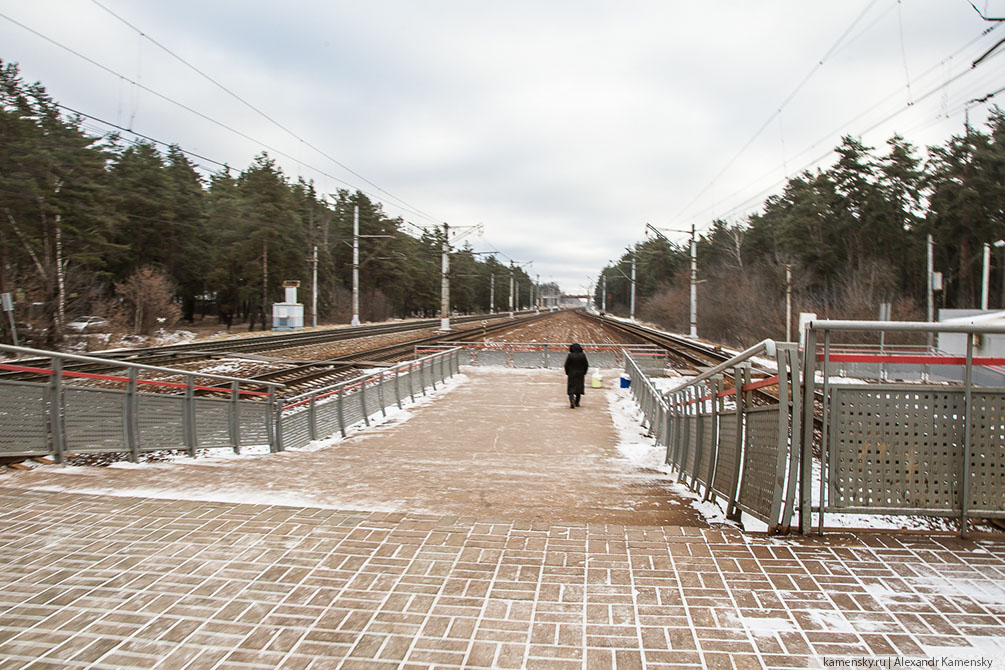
(639, 448)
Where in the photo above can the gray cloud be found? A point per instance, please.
(563, 126)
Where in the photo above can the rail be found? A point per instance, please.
(548, 354)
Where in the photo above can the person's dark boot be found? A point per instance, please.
(572, 402)
(577, 401)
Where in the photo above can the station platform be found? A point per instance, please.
(491, 527)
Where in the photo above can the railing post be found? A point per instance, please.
(312, 417)
(362, 402)
(235, 416)
(715, 385)
(380, 393)
(411, 380)
(782, 440)
(968, 390)
(341, 412)
(274, 422)
(57, 410)
(397, 390)
(794, 410)
(806, 451)
(191, 435)
(132, 416)
(741, 377)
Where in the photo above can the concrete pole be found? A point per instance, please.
(537, 295)
(788, 302)
(355, 266)
(931, 295)
(603, 294)
(633, 288)
(314, 286)
(492, 295)
(694, 284)
(986, 276)
(511, 289)
(445, 281)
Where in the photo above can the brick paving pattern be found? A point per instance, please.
(95, 581)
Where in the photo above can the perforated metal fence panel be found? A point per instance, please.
(94, 419)
(160, 419)
(725, 464)
(212, 422)
(23, 418)
(987, 455)
(901, 448)
(760, 462)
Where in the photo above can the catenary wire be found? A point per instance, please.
(258, 111)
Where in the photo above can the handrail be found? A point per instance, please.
(766, 347)
(908, 326)
(334, 388)
(42, 353)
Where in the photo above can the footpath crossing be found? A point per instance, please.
(495, 528)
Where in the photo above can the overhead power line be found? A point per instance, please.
(221, 124)
(778, 111)
(258, 111)
(754, 199)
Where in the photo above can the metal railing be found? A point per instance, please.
(740, 451)
(551, 354)
(323, 412)
(918, 449)
(57, 417)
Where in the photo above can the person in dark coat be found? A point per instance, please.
(576, 367)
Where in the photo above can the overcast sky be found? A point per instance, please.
(563, 127)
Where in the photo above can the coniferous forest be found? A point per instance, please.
(92, 224)
(854, 236)
(132, 230)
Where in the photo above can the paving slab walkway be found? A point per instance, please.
(494, 580)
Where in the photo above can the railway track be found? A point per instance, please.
(181, 354)
(684, 350)
(331, 371)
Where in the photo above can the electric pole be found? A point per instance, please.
(694, 269)
(314, 287)
(355, 266)
(445, 281)
(511, 283)
(632, 313)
